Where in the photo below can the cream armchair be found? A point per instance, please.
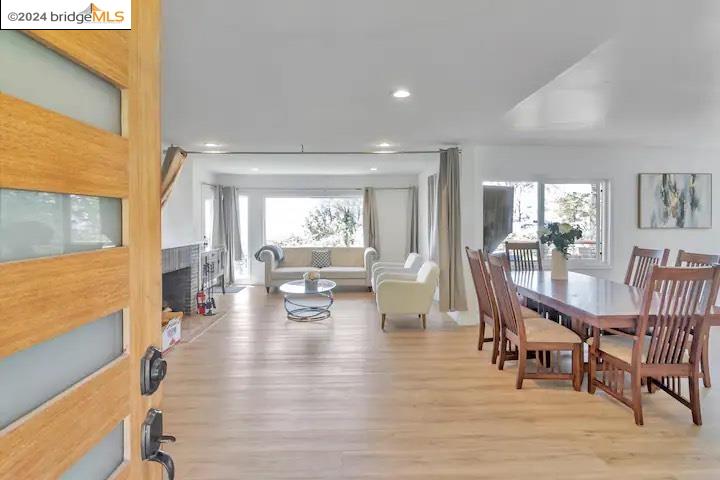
(408, 294)
(411, 266)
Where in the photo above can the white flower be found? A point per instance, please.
(564, 228)
(311, 276)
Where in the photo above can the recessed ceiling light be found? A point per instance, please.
(380, 152)
(255, 169)
(211, 144)
(401, 93)
(383, 145)
(373, 169)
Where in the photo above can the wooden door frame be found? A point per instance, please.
(141, 124)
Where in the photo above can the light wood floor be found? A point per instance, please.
(258, 397)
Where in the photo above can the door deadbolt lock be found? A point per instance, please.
(152, 439)
(153, 369)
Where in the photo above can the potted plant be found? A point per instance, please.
(561, 236)
(311, 281)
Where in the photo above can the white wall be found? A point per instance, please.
(423, 219)
(181, 213)
(392, 211)
(393, 224)
(619, 165)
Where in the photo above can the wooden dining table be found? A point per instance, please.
(594, 301)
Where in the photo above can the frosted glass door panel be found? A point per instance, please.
(33, 376)
(102, 460)
(40, 224)
(34, 73)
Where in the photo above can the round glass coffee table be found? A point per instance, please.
(308, 304)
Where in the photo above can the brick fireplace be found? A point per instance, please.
(181, 277)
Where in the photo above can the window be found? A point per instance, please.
(314, 221)
(207, 212)
(514, 210)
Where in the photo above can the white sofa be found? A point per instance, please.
(349, 266)
(404, 296)
(411, 266)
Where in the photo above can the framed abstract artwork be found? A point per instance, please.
(675, 200)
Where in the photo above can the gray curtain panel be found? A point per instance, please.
(370, 219)
(413, 234)
(432, 231)
(452, 283)
(226, 229)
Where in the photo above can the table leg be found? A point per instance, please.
(592, 359)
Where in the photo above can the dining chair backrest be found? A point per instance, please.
(679, 300)
(524, 256)
(506, 295)
(481, 280)
(641, 262)
(688, 259)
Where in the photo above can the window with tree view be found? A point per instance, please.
(515, 210)
(314, 221)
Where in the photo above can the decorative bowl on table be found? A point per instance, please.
(311, 280)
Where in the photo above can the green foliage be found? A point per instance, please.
(335, 222)
(578, 209)
(561, 235)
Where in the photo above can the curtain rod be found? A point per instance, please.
(321, 189)
(303, 152)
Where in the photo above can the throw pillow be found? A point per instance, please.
(320, 258)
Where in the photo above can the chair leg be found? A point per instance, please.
(577, 366)
(481, 334)
(695, 399)
(503, 351)
(496, 345)
(382, 322)
(705, 361)
(424, 321)
(636, 398)
(522, 360)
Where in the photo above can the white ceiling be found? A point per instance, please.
(272, 75)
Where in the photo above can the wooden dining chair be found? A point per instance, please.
(487, 306)
(641, 261)
(676, 301)
(688, 259)
(533, 334)
(524, 256)
(487, 303)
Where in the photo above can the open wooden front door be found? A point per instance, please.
(80, 273)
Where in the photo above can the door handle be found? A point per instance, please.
(151, 440)
(166, 461)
